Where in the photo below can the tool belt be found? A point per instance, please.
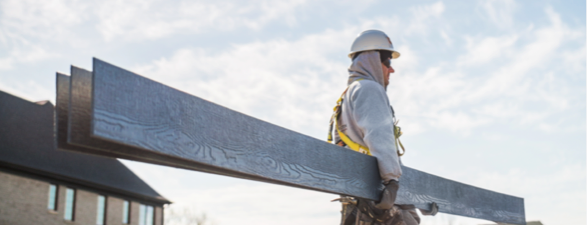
(357, 211)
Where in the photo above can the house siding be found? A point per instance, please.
(24, 201)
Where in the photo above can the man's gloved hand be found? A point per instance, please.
(389, 195)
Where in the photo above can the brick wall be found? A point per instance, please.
(114, 210)
(24, 201)
(20, 196)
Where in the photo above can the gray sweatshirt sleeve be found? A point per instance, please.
(371, 111)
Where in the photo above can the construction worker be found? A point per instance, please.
(365, 122)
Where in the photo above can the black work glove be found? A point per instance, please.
(368, 208)
(389, 195)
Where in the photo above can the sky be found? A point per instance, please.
(488, 93)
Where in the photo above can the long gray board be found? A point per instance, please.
(131, 110)
(62, 117)
(74, 120)
(63, 126)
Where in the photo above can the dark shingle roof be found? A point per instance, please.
(27, 144)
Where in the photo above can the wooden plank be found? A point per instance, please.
(420, 189)
(62, 117)
(74, 121)
(79, 120)
(132, 110)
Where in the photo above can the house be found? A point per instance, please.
(42, 185)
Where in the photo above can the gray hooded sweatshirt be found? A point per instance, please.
(366, 116)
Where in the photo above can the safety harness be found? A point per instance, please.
(346, 141)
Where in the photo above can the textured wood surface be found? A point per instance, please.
(132, 110)
(74, 121)
(79, 119)
(63, 123)
(62, 117)
(420, 189)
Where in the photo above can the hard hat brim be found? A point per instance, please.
(394, 54)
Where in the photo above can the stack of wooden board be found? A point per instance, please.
(116, 113)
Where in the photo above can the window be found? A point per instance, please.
(69, 204)
(126, 212)
(146, 215)
(53, 192)
(101, 218)
(150, 215)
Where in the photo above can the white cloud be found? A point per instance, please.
(554, 188)
(487, 49)
(500, 12)
(447, 40)
(423, 17)
(32, 31)
(155, 19)
(46, 18)
(409, 59)
(138, 20)
(6, 63)
(25, 52)
(574, 60)
(27, 26)
(32, 54)
(28, 89)
(510, 79)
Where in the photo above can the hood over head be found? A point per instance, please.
(366, 66)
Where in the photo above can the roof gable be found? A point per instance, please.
(27, 141)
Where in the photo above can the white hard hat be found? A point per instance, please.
(373, 40)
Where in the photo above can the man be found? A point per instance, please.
(365, 123)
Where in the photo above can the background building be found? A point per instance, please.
(42, 185)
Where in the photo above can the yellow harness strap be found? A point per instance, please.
(397, 131)
(354, 145)
(343, 137)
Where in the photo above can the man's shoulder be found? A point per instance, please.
(366, 86)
